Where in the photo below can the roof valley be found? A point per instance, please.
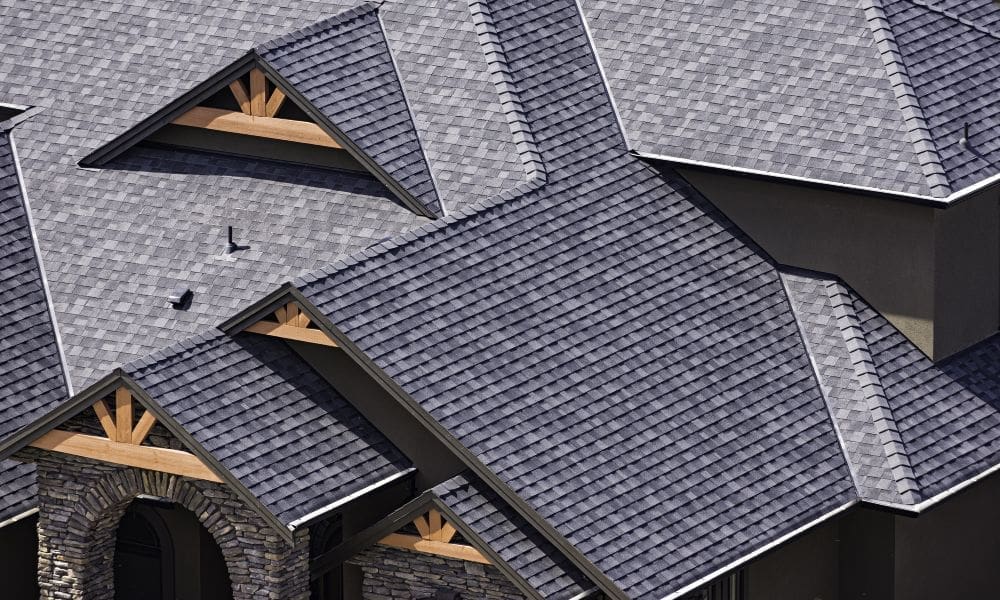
(917, 127)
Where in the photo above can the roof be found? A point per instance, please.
(344, 68)
(873, 95)
(292, 440)
(32, 378)
(512, 538)
(913, 429)
(116, 240)
(607, 344)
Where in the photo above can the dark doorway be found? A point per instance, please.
(143, 556)
(162, 552)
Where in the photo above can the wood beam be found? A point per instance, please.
(275, 102)
(164, 460)
(240, 93)
(412, 542)
(422, 527)
(434, 521)
(288, 130)
(104, 416)
(123, 415)
(258, 93)
(447, 532)
(291, 332)
(143, 427)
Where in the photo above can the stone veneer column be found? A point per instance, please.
(81, 503)
(397, 574)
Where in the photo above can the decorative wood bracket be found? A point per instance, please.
(257, 116)
(123, 445)
(435, 538)
(291, 324)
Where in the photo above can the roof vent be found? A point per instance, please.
(180, 298)
(965, 136)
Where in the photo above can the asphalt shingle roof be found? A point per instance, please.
(937, 425)
(31, 376)
(344, 68)
(533, 557)
(269, 419)
(607, 344)
(871, 94)
(115, 240)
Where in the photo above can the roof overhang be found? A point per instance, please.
(108, 385)
(923, 200)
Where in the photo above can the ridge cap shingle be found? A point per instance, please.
(914, 119)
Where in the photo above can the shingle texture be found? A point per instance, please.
(344, 68)
(531, 556)
(116, 240)
(938, 424)
(606, 344)
(271, 420)
(871, 94)
(31, 375)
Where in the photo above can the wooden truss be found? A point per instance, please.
(257, 116)
(123, 445)
(435, 538)
(292, 324)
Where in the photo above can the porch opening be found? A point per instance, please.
(163, 552)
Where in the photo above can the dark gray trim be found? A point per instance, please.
(106, 386)
(438, 431)
(170, 112)
(198, 450)
(71, 407)
(341, 138)
(961, 195)
(406, 513)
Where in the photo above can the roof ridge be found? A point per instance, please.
(510, 100)
(871, 385)
(954, 17)
(335, 19)
(913, 115)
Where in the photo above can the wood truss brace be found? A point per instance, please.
(435, 538)
(123, 445)
(257, 116)
(291, 324)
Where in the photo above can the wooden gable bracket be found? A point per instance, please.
(257, 115)
(123, 445)
(291, 324)
(435, 538)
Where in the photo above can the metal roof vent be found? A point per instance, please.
(180, 298)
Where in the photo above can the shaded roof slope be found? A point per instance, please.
(344, 68)
(938, 425)
(270, 420)
(31, 372)
(868, 94)
(533, 557)
(608, 344)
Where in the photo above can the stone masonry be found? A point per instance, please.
(397, 574)
(81, 503)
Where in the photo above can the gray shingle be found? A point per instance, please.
(271, 420)
(513, 539)
(608, 344)
(343, 66)
(871, 94)
(31, 375)
(116, 240)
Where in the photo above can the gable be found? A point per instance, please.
(327, 95)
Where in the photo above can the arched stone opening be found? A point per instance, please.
(81, 503)
(106, 504)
